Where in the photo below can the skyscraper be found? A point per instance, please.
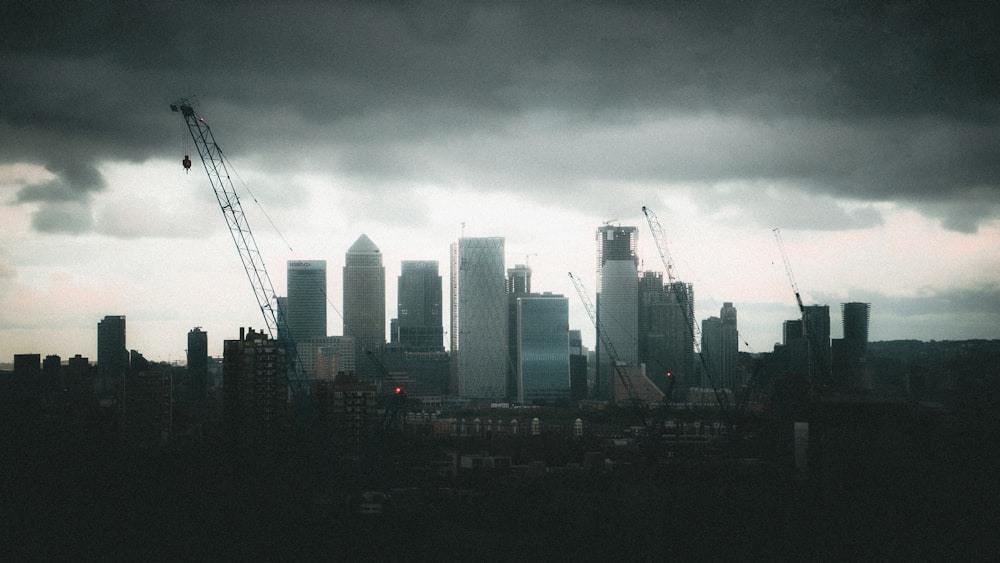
(711, 348)
(364, 304)
(419, 324)
(112, 355)
(519, 279)
(849, 355)
(479, 318)
(543, 369)
(673, 317)
(817, 328)
(304, 307)
(617, 302)
(730, 348)
(518, 285)
(855, 320)
(197, 363)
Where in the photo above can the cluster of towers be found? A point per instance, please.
(506, 341)
(509, 343)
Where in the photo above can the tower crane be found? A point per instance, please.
(661, 242)
(623, 375)
(815, 350)
(788, 270)
(218, 170)
(668, 263)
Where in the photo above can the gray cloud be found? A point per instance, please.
(62, 218)
(870, 102)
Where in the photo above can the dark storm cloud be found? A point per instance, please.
(895, 101)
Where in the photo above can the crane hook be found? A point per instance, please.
(187, 163)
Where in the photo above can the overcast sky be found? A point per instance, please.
(868, 133)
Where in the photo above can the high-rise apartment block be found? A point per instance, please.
(479, 318)
(849, 354)
(197, 363)
(855, 318)
(617, 303)
(729, 377)
(304, 308)
(364, 305)
(255, 384)
(112, 356)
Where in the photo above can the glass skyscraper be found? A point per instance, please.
(479, 318)
(617, 302)
(364, 304)
(543, 371)
(304, 308)
(419, 324)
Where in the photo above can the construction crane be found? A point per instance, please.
(661, 242)
(788, 270)
(668, 264)
(815, 350)
(623, 375)
(225, 193)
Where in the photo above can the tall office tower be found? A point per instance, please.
(197, 363)
(519, 279)
(518, 285)
(479, 318)
(543, 370)
(650, 292)
(730, 349)
(617, 302)
(577, 366)
(711, 350)
(817, 328)
(419, 325)
(112, 356)
(255, 384)
(364, 305)
(674, 317)
(305, 306)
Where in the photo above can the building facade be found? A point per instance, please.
(197, 363)
(364, 305)
(617, 303)
(479, 319)
(543, 367)
(729, 373)
(304, 307)
(112, 357)
(255, 389)
(419, 325)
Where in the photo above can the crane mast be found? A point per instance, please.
(225, 193)
(606, 341)
(788, 270)
(668, 263)
(661, 242)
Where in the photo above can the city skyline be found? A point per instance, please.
(870, 140)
